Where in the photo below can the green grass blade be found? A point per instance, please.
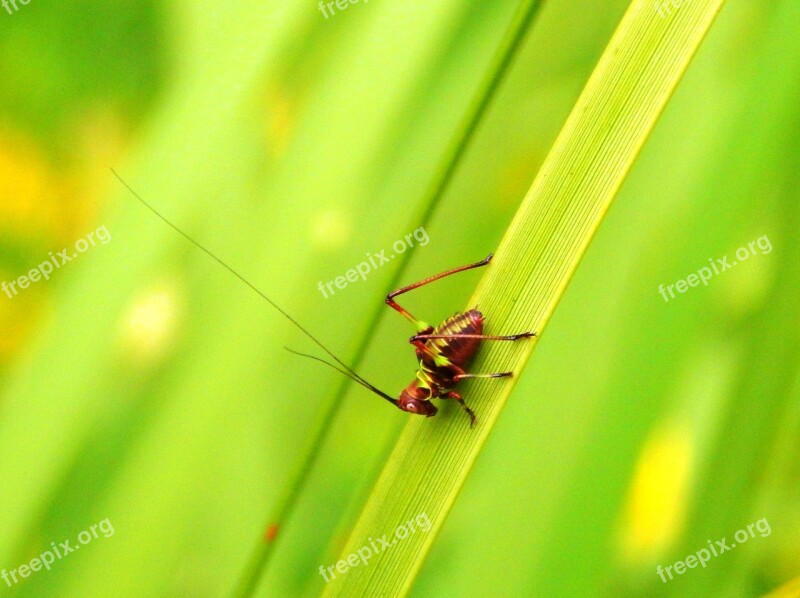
(600, 141)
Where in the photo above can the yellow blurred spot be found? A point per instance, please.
(44, 207)
(17, 318)
(29, 190)
(330, 229)
(657, 499)
(280, 113)
(788, 590)
(150, 324)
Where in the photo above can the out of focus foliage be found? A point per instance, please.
(145, 385)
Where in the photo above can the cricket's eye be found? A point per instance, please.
(419, 407)
(411, 406)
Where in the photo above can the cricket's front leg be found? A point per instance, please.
(423, 351)
(452, 394)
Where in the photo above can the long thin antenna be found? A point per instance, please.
(346, 373)
(352, 373)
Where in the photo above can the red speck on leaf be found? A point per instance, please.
(271, 533)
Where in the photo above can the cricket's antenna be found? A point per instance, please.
(348, 371)
(361, 381)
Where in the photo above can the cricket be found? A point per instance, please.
(443, 352)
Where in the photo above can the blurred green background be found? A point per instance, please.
(145, 385)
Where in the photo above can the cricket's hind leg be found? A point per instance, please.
(482, 337)
(419, 323)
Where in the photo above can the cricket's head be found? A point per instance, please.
(416, 400)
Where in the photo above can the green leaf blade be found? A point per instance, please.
(598, 145)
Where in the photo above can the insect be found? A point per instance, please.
(443, 351)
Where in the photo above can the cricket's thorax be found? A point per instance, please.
(449, 356)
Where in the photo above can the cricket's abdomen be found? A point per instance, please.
(458, 350)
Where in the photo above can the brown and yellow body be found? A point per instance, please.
(444, 358)
(441, 360)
